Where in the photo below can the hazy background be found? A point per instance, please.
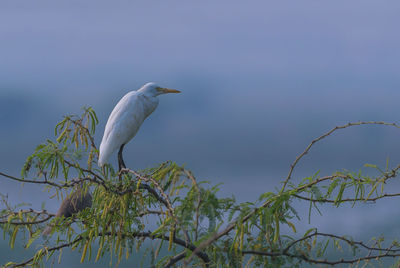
(259, 81)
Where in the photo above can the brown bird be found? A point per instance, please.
(74, 203)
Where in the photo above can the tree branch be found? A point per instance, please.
(27, 262)
(316, 261)
(175, 259)
(298, 158)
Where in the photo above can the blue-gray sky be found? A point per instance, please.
(260, 80)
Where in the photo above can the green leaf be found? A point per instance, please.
(340, 194)
(13, 236)
(309, 231)
(370, 165)
(332, 187)
(34, 236)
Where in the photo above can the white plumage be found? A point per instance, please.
(127, 117)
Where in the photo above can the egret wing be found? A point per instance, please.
(122, 125)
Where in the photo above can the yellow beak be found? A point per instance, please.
(168, 90)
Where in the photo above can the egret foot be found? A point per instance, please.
(121, 163)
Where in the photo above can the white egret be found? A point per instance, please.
(126, 119)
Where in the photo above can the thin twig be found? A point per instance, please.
(293, 165)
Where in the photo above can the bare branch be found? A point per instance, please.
(298, 158)
(316, 261)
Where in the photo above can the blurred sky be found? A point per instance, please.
(260, 80)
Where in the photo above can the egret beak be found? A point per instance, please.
(167, 90)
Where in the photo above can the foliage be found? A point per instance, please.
(190, 219)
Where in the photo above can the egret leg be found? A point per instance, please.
(121, 163)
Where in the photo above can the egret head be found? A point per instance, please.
(154, 90)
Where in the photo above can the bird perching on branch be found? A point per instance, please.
(74, 203)
(126, 119)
